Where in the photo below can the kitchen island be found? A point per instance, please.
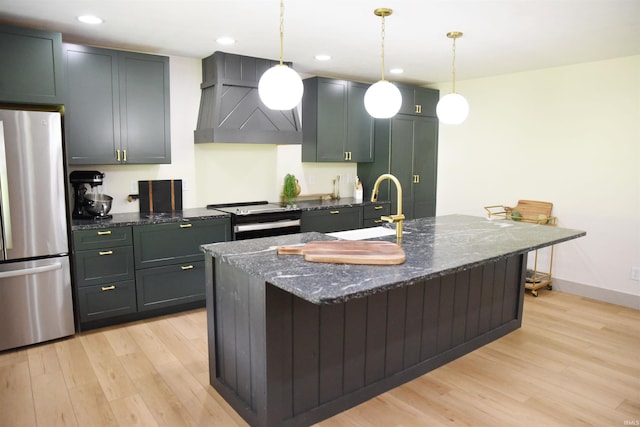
(293, 342)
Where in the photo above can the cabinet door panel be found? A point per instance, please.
(92, 119)
(170, 285)
(107, 300)
(360, 125)
(402, 135)
(425, 165)
(144, 107)
(31, 70)
(332, 120)
(178, 242)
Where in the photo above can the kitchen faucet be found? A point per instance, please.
(398, 218)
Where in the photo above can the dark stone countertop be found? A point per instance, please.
(136, 218)
(434, 247)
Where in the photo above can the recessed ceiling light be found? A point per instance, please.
(225, 40)
(396, 71)
(90, 19)
(323, 57)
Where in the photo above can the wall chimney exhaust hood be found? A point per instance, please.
(231, 110)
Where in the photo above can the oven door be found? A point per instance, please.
(266, 224)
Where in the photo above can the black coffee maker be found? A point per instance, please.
(84, 207)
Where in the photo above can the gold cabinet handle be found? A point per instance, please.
(186, 225)
(346, 155)
(334, 212)
(124, 155)
(416, 179)
(187, 267)
(108, 288)
(104, 233)
(105, 253)
(418, 109)
(378, 207)
(118, 155)
(378, 221)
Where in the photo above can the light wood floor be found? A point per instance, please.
(574, 362)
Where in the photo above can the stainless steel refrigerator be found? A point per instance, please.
(35, 281)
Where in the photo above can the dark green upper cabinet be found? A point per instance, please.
(117, 107)
(31, 70)
(335, 125)
(418, 101)
(407, 147)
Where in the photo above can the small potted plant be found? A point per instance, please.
(290, 190)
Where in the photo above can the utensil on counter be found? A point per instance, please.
(348, 252)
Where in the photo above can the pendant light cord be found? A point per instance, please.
(282, 28)
(453, 67)
(382, 47)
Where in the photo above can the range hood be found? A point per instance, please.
(231, 110)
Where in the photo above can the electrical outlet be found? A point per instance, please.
(635, 273)
(134, 187)
(185, 185)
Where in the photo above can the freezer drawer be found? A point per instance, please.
(35, 302)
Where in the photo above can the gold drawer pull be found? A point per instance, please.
(378, 207)
(187, 267)
(108, 288)
(378, 221)
(105, 253)
(334, 212)
(186, 225)
(117, 155)
(104, 233)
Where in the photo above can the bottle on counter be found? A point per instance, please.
(357, 191)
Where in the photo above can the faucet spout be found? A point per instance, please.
(398, 218)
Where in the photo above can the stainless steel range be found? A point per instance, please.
(260, 219)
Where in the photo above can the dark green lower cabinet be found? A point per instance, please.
(107, 300)
(329, 220)
(94, 267)
(161, 287)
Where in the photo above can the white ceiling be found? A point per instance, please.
(500, 36)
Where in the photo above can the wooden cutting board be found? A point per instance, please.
(348, 252)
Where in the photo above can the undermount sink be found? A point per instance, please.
(363, 233)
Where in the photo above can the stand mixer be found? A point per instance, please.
(93, 205)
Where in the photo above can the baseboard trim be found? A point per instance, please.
(600, 294)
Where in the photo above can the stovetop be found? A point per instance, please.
(252, 208)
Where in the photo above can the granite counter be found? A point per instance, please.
(434, 247)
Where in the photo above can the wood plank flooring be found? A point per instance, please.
(574, 362)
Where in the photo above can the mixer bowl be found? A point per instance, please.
(97, 204)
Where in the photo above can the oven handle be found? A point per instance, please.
(266, 225)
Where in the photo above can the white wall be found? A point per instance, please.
(568, 135)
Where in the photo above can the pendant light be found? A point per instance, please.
(453, 108)
(383, 99)
(280, 87)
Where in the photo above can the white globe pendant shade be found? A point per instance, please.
(382, 100)
(452, 109)
(280, 88)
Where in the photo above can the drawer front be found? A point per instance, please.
(102, 238)
(329, 220)
(376, 211)
(170, 285)
(104, 301)
(164, 244)
(96, 267)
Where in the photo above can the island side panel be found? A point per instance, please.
(314, 371)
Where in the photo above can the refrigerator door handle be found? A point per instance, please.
(4, 193)
(33, 270)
